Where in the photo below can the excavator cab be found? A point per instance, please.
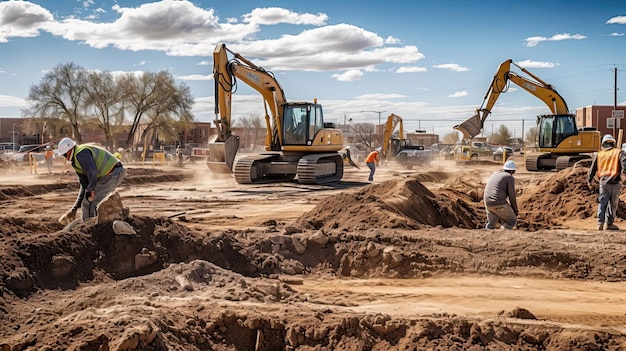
(553, 129)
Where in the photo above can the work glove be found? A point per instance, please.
(68, 217)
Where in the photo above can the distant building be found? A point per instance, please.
(601, 118)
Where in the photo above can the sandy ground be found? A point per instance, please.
(401, 263)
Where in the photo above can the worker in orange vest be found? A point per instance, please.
(372, 161)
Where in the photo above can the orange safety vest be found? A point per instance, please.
(372, 157)
(608, 162)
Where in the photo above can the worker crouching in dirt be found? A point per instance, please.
(499, 188)
(608, 164)
(99, 173)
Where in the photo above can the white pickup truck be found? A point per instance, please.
(415, 155)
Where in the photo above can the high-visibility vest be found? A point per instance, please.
(608, 162)
(105, 161)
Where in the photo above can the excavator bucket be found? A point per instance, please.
(471, 127)
(222, 155)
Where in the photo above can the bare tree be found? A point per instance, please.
(451, 138)
(363, 134)
(500, 137)
(532, 135)
(60, 95)
(155, 97)
(103, 103)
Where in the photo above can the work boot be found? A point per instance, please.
(612, 227)
(600, 226)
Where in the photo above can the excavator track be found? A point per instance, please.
(276, 168)
(257, 169)
(320, 168)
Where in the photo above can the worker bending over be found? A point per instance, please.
(499, 188)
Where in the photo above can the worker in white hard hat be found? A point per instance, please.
(118, 153)
(608, 165)
(99, 173)
(348, 158)
(499, 198)
(372, 161)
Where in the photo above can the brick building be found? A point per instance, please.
(601, 118)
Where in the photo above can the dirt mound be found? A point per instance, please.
(563, 196)
(408, 204)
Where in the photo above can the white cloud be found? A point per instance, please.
(277, 15)
(348, 76)
(617, 20)
(380, 96)
(458, 94)
(142, 63)
(533, 41)
(392, 40)
(536, 64)
(453, 67)
(22, 19)
(412, 69)
(204, 63)
(195, 77)
(616, 34)
(12, 101)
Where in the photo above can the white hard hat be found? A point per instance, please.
(347, 147)
(378, 149)
(65, 145)
(608, 138)
(509, 166)
(120, 149)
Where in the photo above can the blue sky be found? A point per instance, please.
(430, 62)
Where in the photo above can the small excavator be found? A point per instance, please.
(560, 142)
(299, 143)
(401, 149)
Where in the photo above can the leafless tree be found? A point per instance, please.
(154, 99)
(103, 103)
(60, 95)
(363, 134)
(501, 136)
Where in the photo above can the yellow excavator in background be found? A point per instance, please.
(560, 142)
(401, 149)
(300, 142)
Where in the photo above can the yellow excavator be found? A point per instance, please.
(401, 149)
(560, 142)
(298, 141)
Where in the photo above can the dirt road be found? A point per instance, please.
(401, 263)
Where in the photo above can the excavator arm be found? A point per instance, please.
(535, 86)
(393, 121)
(225, 74)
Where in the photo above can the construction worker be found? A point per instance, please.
(608, 164)
(118, 153)
(99, 173)
(49, 155)
(348, 158)
(499, 188)
(372, 161)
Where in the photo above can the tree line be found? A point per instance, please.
(70, 99)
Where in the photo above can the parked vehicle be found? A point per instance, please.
(503, 150)
(36, 150)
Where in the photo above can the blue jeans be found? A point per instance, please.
(372, 167)
(104, 187)
(608, 199)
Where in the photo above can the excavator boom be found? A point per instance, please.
(501, 79)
